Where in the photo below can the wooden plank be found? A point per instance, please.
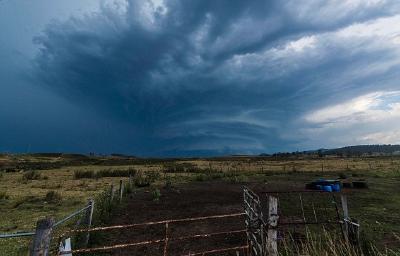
(41, 241)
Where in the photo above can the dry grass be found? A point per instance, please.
(24, 200)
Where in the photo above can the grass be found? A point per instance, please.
(53, 197)
(91, 174)
(327, 243)
(3, 195)
(31, 175)
(26, 196)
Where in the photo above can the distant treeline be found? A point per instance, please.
(359, 150)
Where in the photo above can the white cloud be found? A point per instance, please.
(367, 108)
(378, 38)
(372, 118)
(388, 137)
(146, 12)
(334, 11)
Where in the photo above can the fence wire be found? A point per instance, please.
(166, 240)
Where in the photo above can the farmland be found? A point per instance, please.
(35, 186)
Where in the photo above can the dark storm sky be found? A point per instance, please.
(204, 77)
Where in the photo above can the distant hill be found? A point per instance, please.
(357, 150)
(364, 149)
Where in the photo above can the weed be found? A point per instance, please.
(31, 175)
(201, 177)
(153, 176)
(3, 195)
(116, 173)
(53, 197)
(181, 168)
(168, 182)
(156, 193)
(141, 181)
(83, 174)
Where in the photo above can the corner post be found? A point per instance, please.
(41, 241)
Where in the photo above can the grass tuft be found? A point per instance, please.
(4, 196)
(53, 197)
(31, 175)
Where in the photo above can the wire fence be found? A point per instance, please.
(58, 223)
(166, 240)
(288, 213)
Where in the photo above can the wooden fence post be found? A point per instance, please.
(121, 190)
(112, 193)
(130, 182)
(41, 241)
(352, 228)
(89, 217)
(272, 236)
(343, 199)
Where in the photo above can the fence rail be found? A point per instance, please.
(18, 234)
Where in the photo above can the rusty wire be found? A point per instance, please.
(153, 223)
(112, 247)
(218, 250)
(120, 246)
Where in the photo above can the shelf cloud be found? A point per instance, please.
(211, 77)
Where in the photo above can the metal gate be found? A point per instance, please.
(255, 224)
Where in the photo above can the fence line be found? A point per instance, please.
(32, 233)
(18, 234)
(164, 240)
(71, 216)
(42, 235)
(154, 223)
(244, 247)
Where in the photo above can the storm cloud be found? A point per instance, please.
(210, 77)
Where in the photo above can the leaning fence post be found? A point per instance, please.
(89, 217)
(41, 241)
(121, 190)
(272, 237)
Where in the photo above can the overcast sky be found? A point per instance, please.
(198, 77)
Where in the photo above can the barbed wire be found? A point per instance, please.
(153, 223)
(132, 244)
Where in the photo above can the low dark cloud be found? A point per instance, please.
(217, 77)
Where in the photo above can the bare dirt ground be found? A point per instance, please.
(184, 201)
(200, 199)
